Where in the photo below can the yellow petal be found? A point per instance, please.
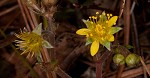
(94, 48)
(112, 21)
(83, 31)
(111, 38)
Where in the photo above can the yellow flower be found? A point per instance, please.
(99, 31)
(31, 42)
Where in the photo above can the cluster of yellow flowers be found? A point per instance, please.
(99, 31)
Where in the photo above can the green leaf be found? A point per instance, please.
(106, 44)
(88, 24)
(38, 29)
(46, 44)
(114, 30)
(88, 41)
(129, 46)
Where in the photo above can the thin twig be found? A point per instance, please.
(144, 65)
(122, 8)
(3, 2)
(8, 10)
(28, 16)
(132, 73)
(24, 16)
(61, 73)
(45, 55)
(34, 18)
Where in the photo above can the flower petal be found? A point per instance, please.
(94, 48)
(112, 21)
(83, 31)
(111, 38)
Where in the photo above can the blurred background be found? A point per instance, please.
(71, 58)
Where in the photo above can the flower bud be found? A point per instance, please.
(119, 59)
(132, 60)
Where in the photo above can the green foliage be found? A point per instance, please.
(132, 60)
(119, 59)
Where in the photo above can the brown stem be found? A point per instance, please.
(126, 32)
(107, 69)
(45, 56)
(119, 73)
(61, 73)
(24, 15)
(34, 18)
(99, 70)
(132, 73)
(28, 16)
(100, 62)
(127, 22)
(144, 65)
(46, 59)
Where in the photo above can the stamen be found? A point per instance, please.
(97, 13)
(110, 14)
(91, 34)
(90, 18)
(96, 19)
(106, 21)
(114, 23)
(93, 19)
(100, 16)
